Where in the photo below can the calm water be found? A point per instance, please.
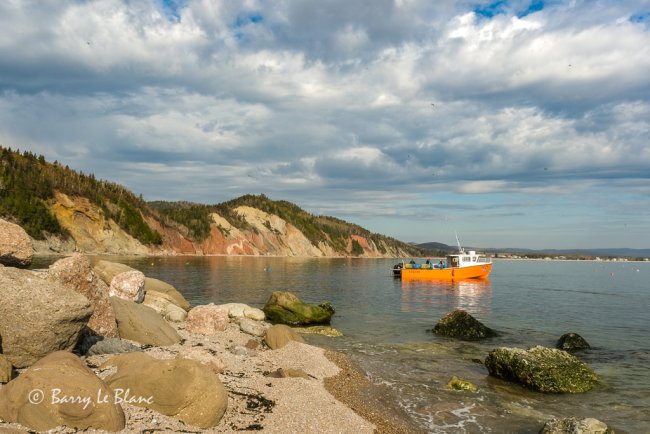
(385, 323)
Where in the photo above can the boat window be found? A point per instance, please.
(466, 259)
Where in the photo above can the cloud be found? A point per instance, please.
(376, 110)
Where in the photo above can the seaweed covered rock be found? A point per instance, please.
(287, 308)
(459, 384)
(572, 342)
(542, 369)
(460, 324)
(574, 425)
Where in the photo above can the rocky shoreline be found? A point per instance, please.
(95, 346)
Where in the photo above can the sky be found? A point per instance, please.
(514, 123)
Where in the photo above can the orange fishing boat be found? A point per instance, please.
(459, 266)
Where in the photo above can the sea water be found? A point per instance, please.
(387, 331)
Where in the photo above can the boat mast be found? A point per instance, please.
(460, 249)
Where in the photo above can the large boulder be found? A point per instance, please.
(207, 319)
(541, 369)
(279, 335)
(572, 425)
(16, 248)
(128, 286)
(460, 324)
(38, 316)
(572, 342)
(60, 390)
(142, 324)
(167, 291)
(76, 273)
(287, 308)
(180, 388)
(161, 303)
(106, 270)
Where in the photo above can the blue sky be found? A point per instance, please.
(515, 123)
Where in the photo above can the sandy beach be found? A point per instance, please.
(330, 396)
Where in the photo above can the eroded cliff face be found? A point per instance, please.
(92, 232)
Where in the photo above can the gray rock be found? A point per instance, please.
(142, 324)
(572, 425)
(98, 345)
(38, 317)
(15, 245)
(252, 327)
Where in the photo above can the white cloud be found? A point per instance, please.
(338, 99)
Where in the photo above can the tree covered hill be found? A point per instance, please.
(29, 184)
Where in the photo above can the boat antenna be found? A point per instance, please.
(460, 249)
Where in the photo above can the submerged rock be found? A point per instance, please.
(458, 384)
(572, 342)
(572, 425)
(287, 308)
(319, 330)
(460, 324)
(542, 369)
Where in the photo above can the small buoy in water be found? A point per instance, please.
(611, 274)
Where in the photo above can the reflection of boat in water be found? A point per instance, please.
(458, 266)
(472, 295)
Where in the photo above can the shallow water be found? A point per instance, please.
(386, 321)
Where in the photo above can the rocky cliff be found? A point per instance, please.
(66, 211)
(91, 231)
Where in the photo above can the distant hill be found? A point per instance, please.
(595, 252)
(442, 249)
(64, 210)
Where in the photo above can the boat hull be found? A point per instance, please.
(479, 271)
